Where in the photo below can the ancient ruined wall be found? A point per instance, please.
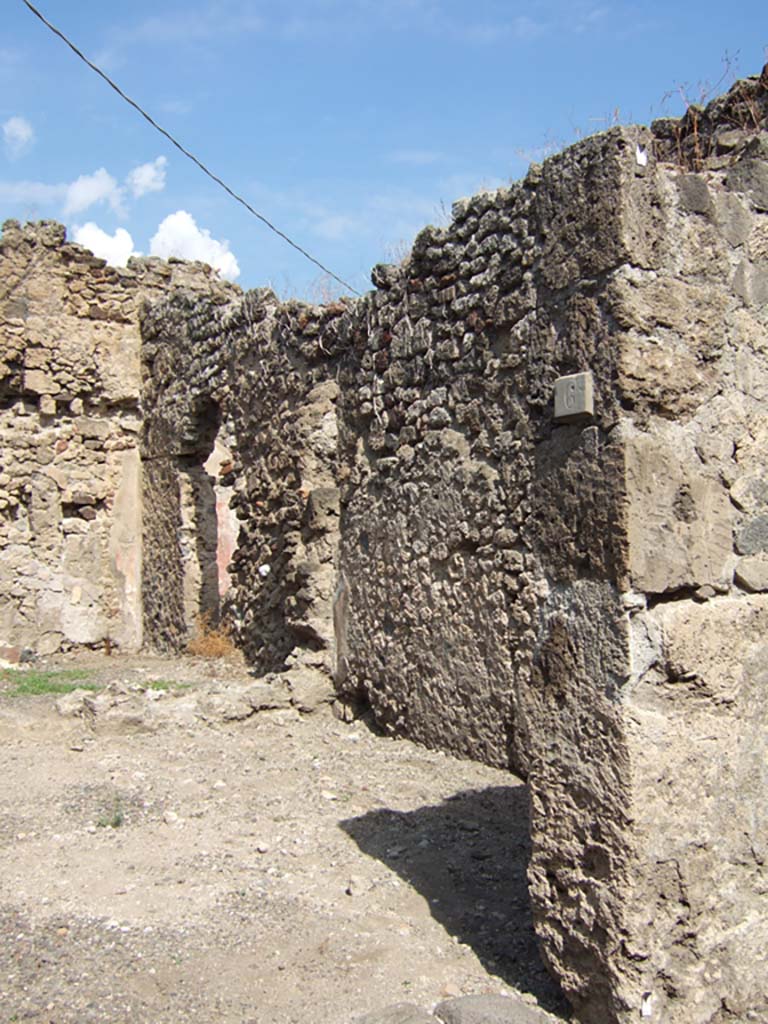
(287, 483)
(186, 460)
(581, 596)
(694, 373)
(647, 873)
(70, 541)
(476, 546)
(264, 373)
(467, 506)
(484, 544)
(70, 421)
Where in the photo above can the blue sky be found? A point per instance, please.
(348, 123)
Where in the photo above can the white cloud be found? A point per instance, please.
(416, 157)
(179, 107)
(31, 192)
(18, 136)
(179, 235)
(193, 25)
(89, 189)
(148, 177)
(8, 57)
(116, 249)
(335, 227)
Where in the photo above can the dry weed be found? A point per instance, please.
(210, 641)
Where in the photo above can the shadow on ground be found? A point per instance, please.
(468, 858)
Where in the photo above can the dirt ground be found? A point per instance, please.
(161, 863)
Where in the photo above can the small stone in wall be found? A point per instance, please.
(47, 405)
(95, 429)
(752, 573)
(753, 536)
(40, 383)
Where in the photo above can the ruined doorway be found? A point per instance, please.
(190, 532)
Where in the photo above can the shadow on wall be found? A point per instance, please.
(468, 858)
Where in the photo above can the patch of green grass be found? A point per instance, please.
(33, 682)
(113, 818)
(166, 684)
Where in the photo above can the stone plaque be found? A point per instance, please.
(574, 397)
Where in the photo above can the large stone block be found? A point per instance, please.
(680, 528)
(580, 784)
(696, 905)
(592, 208)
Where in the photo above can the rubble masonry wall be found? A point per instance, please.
(70, 422)
(583, 601)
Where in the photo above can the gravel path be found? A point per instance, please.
(168, 867)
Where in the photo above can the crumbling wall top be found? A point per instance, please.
(712, 136)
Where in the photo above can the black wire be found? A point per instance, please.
(186, 152)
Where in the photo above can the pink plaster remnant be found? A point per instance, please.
(227, 528)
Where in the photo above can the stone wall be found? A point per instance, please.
(185, 394)
(575, 588)
(260, 372)
(694, 380)
(286, 485)
(70, 421)
(580, 598)
(466, 505)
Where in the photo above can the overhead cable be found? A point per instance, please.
(186, 152)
